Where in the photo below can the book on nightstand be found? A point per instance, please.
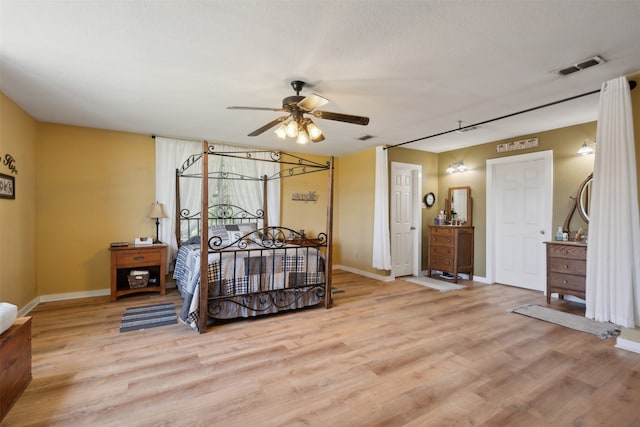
(119, 244)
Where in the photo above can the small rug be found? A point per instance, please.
(579, 323)
(438, 285)
(150, 316)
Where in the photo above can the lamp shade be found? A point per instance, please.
(157, 211)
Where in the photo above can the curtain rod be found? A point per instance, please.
(632, 85)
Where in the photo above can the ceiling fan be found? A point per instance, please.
(300, 127)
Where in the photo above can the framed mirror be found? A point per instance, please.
(584, 198)
(460, 201)
(580, 202)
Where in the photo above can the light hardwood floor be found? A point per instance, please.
(386, 354)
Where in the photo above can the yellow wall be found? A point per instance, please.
(355, 183)
(94, 187)
(310, 216)
(18, 280)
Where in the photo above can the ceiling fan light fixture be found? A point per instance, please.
(292, 129)
(302, 138)
(313, 130)
(281, 131)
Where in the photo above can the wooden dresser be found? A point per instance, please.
(566, 268)
(15, 361)
(451, 250)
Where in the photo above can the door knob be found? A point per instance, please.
(541, 231)
(412, 228)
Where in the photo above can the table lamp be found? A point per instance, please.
(157, 211)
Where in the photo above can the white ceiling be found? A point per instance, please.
(414, 67)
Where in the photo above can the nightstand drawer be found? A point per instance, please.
(568, 266)
(567, 251)
(567, 282)
(138, 259)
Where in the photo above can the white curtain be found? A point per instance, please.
(381, 240)
(172, 153)
(613, 254)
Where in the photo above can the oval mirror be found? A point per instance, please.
(584, 198)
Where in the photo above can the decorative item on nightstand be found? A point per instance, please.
(156, 212)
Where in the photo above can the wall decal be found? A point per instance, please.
(517, 145)
(311, 196)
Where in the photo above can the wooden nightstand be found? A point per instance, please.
(126, 258)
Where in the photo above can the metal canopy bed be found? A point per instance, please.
(231, 262)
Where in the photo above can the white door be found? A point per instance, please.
(521, 217)
(405, 221)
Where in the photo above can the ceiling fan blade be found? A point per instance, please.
(255, 108)
(347, 118)
(311, 102)
(268, 126)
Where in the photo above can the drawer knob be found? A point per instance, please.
(139, 258)
(565, 281)
(566, 266)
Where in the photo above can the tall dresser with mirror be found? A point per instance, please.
(451, 250)
(450, 247)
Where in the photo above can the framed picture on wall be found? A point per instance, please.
(7, 186)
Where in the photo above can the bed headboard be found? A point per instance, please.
(218, 214)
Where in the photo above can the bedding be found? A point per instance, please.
(236, 275)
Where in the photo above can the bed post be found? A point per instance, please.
(204, 242)
(176, 229)
(328, 298)
(265, 215)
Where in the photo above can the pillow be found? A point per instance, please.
(219, 235)
(238, 231)
(8, 314)
(195, 240)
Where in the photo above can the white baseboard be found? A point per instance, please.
(71, 295)
(629, 345)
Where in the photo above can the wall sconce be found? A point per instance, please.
(456, 167)
(586, 147)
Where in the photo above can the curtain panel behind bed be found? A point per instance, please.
(172, 153)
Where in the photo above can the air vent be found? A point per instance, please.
(590, 62)
(365, 137)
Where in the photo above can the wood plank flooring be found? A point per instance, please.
(386, 354)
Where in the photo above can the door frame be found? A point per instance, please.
(416, 181)
(547, 156)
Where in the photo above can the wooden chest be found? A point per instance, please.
(566, 269)
(451, 250)
(15, 358)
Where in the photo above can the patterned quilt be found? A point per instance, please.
(237, 272)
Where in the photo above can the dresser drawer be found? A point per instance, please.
(568, 266)
(566, 281)
(138, 259)
(442, 251)
(440, 239)
(442, 263)
(567, 251)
